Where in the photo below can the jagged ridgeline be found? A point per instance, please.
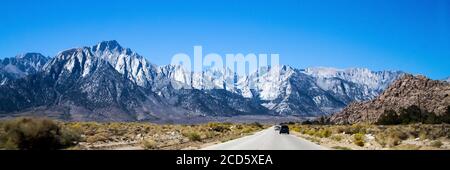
(107, 82)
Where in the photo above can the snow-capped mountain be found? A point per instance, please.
(378, 80)
(21, 66)
(78, 85)
(356, 84)
(288, 91)
(109, 82)
(126, 62)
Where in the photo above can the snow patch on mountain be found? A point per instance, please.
(364, 76)
(21, 66)
(363, 83)
(126, 62)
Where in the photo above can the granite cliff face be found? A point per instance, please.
(431, 96)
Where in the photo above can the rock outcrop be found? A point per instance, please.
(430, 96)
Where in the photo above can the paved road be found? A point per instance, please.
(268, 139)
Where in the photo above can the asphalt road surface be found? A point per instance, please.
(268, 139)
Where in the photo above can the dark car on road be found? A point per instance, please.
(284, 129)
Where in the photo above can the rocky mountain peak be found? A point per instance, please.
(375, 80)
(112, 47)
(107, 45)
(26, 58)
(31, 56)
(21, 66)
(429, 95)
(128, 63)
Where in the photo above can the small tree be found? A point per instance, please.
(430, 118)
(306, 122)
(445, 118)
(412, 114)
(389, 117)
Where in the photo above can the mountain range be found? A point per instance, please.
(107, 82)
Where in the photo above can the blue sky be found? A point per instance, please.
(408, 35)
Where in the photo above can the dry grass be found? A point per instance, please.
(149, 144)
(436, 144)
(416, 136)
(154, 136)
(93, 135)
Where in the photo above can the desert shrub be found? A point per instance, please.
(323, 133)
(209, 134)
(193, 136)
(149, 144)
(399, 133)
(360, 128)
(432, 132)
(37, 134)
(257, 125)
(436, 144)
(99, 137)
(295, 128)
(358, 139)
(239, 127)
(391, 137)
(247, 129)
(381, 138)
(354, 129)
(423, 135)
(217, 127)
(87, 128)
(69, 137)
(310, 132)
(118, 129)
(340, 129)
(392, 141)
(336, 137)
